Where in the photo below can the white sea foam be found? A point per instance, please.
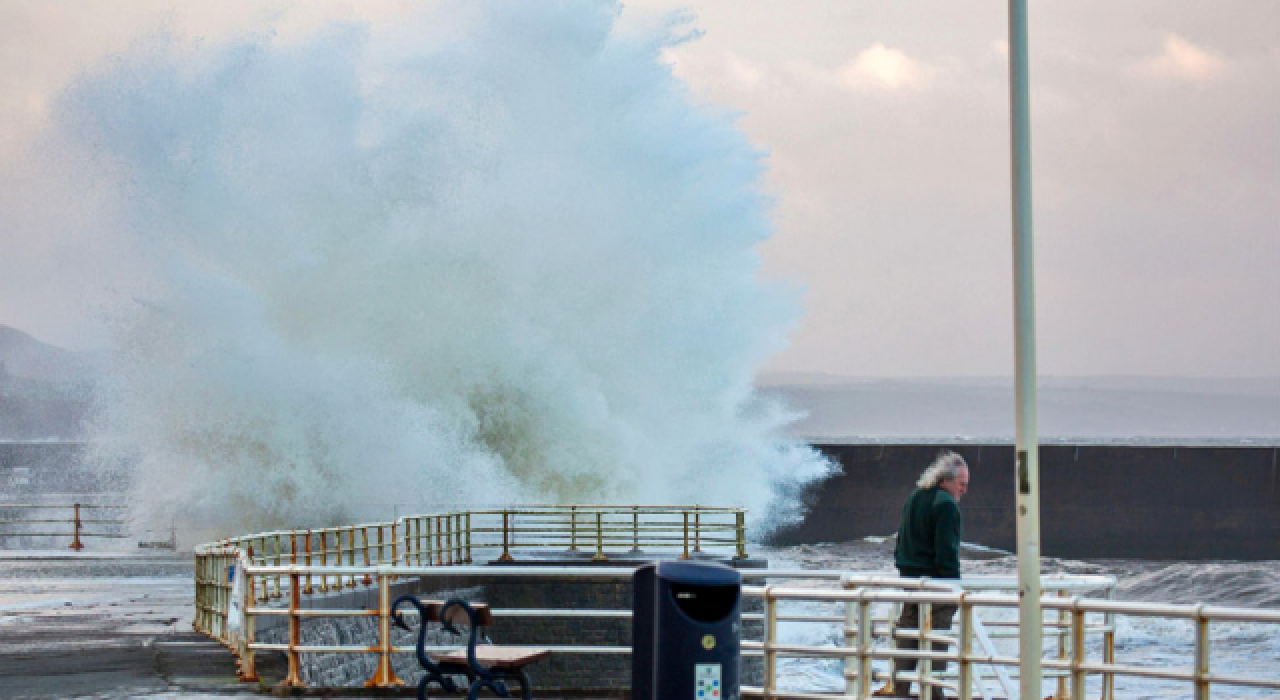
(494, 253)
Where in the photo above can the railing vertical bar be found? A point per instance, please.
(306, 588)
(279, 560)
(1061, 634)
(506, 538)
(599, 538)
(685, 554)
(964, 668)
(852, 640)
(635, 530)
(741, 527)
(76, 544)
(1078, 676)
(1202, 655)
(384, 676)
(925, 667)
(770, 640)
(294, 678)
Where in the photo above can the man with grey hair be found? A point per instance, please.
(929, 545)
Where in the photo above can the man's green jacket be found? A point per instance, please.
(929, 537)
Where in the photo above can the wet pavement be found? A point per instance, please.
(105, 626)
(116, 625)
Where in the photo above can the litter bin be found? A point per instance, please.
(686, 632)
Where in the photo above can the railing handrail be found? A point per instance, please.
(77, 523)
(291, 563)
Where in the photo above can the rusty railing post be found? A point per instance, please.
(635, 529)
(293, 679)
(306, 588)
(384, 676)
(76, 544)
(741, 528)
(248, 666)
(447, 522)
(573, 528)
(439, 525)
(364, 540)
(468, 521)
(324, 561)
(351, 555)
(279, 591)
(506, 538)
(685, 554)
(599, 538)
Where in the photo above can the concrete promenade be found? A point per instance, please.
(117, 625)
(105, 625)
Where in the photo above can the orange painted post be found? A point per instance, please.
(382, 548)
(506, 538)
(196, 619)
(364, 539)
(573, 528)
(599, 538)
(457, 537)
(248, 667)
(279, 560)
(468, 519)
(293, 679)
(76, 544)
(408, 558)
(351, 554)
(307, 587)
(439, 541)
(431, 541)
(741, 528)
(448, 540)
(324, 561)
(384, 676)
(685, 555)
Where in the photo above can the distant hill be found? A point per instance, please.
(45, 391)
(24, 357)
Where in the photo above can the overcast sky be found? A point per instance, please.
(1156, 137)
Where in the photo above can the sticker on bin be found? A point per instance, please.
(708, 677)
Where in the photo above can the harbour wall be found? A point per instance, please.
(1098, 500)
(1208, 501)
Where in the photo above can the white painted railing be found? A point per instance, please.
(1071, 665)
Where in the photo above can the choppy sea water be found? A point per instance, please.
(1244, 649)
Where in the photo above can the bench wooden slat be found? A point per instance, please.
(496, 656)
(457, 615)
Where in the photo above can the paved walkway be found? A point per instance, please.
(114, 625)
(105, 625)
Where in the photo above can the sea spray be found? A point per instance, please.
(495, 252)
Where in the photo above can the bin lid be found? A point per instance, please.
(699, 573)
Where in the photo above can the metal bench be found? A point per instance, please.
(484, 665)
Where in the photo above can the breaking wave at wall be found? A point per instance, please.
(494, 253)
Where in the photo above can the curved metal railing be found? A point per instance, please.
(332, 558)
(237, 580)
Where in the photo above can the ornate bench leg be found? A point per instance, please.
(498, 687)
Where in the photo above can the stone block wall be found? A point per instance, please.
(607, 674)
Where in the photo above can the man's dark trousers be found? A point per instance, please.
(940, 618)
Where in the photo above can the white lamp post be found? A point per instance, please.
(1026, 445)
